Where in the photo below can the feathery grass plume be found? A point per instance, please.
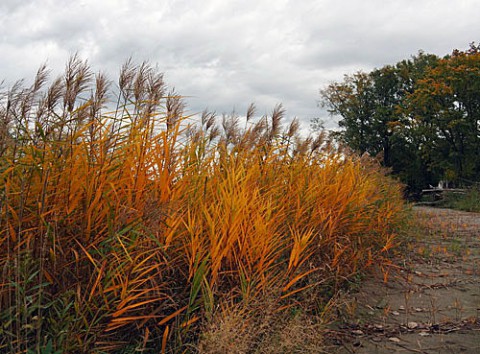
(53, 96)
(140, 84)
(126, 79)
(208, 119)
(293, 128)
(210, 126)
(258, 131)
(250, 112)
(302, 145)
(230, 127)
(175, 107)
(277, 116)
(99, 97)
(30, 95)
(77, 78)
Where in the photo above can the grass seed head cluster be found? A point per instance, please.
(128, 227)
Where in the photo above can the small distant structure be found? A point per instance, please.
(437, 193)
(444, 185)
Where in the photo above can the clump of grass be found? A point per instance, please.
(257, 328)
(467, 201)
(124, 225)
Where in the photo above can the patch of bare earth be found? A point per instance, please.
(431, 300)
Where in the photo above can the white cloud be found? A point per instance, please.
(226, 54)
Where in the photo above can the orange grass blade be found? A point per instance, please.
(172, 315)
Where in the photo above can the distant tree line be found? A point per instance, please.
(421, 116)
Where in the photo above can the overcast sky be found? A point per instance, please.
(226, 54)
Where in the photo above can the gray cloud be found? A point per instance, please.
(224, 55)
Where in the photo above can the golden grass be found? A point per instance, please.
(128, 227)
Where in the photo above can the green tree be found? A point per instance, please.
(422, 115)
(413, 142)
(352, 100)
(374, 119)
(445, 107)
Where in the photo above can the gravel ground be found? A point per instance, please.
(431, 301)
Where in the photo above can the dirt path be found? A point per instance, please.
(431, 304)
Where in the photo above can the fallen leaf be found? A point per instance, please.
(412, 325)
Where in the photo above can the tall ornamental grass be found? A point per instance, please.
(124, 224)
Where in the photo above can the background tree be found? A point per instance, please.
(445, 107)
(422, 115)
(412, 158)
(352, 100)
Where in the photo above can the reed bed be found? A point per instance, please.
(125, 226)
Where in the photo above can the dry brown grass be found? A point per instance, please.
(259, 328)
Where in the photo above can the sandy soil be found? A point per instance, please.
(430, 303)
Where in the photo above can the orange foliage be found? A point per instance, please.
(139, 221)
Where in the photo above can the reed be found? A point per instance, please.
(124, 225)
